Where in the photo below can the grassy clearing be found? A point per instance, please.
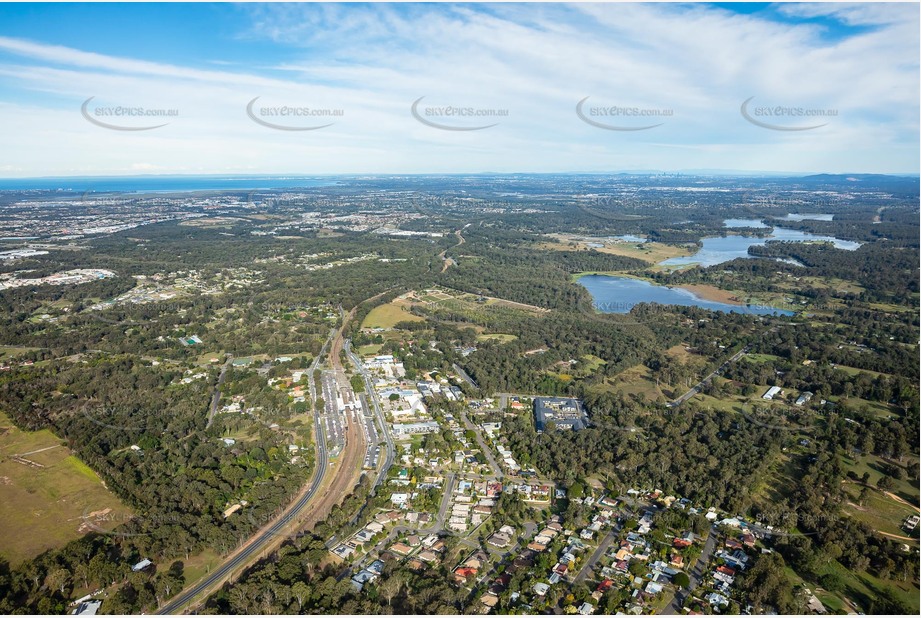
(780, 481)
(11, 351)
(862, 587)
(831, 601)
(880, 512)
(500, 337)
(723, 405)
(876, 467)
(829, 283)
(199, 565)
(874, 408)
(448, 305)
(389, 315)
(637, 380)
(47, 505)
(652, 252)
(367, 350)
(761, 358)
(853, 371)
(590, 364)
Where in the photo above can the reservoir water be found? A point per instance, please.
(612, 294)
(719, 249)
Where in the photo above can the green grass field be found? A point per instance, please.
(389, 315)
(875, 466)
(853, 371)
(861, 587)
(500, 337)
(874, 408)
(760, 358)
(9, 351)
(636, 380)
(880, 512)
(51, 503)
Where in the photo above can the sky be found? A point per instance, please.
(457, 88)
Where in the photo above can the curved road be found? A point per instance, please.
(261, 539)
(266, 536)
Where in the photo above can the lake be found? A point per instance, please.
(744, 223)
(719, 249)
(612, 294)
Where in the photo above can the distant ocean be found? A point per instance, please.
(162, 184)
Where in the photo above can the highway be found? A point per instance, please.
(261, 540)
(266, 536)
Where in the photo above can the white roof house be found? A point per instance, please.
(771, 392)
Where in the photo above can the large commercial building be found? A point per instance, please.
(564, 413)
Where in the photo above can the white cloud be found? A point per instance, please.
(538, 62)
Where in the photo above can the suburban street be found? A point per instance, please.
(674, 606)
(216, 397)
(435, 526)
(484, 448)
(596, 556)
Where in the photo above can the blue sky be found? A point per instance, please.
(681, 71)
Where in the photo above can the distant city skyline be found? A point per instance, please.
(458, 88)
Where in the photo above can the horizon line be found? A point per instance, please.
(691, 172)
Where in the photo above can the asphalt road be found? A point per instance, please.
(484, 448)
(390, 449)
(436, 526)
(262, 538)
(674, 607)
(216, 397)
(266, 536)
(464, 375)
(602, 548)
(697, 388)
